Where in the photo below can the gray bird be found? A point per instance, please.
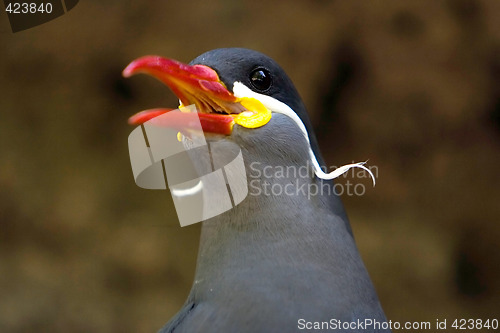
(281, 262)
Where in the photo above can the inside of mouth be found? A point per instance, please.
(205, 105)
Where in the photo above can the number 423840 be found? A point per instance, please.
(477, 324)
(28, 8)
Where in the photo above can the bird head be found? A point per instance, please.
(240, 94)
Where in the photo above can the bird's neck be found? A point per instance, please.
(285, 221)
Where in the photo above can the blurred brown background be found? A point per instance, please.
(413, 86)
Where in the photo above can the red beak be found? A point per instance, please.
(197, 84)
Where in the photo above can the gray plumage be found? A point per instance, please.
(275, 259)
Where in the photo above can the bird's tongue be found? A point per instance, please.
(218, 109)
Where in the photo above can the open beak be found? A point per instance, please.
(218, 109)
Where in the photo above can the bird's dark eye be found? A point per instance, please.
(261, 79)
